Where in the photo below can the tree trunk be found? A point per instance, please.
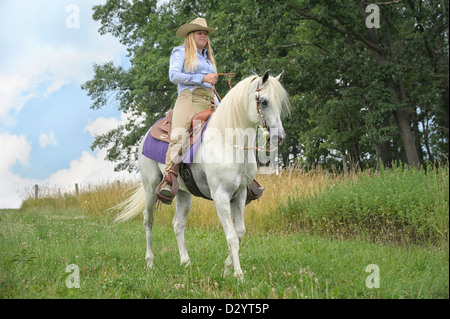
(285, 159)
(395, 84)
(426, 139)
(344, 164)
(384, 155)
(417, 137)
(402, 119)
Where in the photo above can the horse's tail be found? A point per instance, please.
(132, 206)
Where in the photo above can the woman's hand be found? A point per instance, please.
(210, 78)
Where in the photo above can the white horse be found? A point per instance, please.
(222, 167)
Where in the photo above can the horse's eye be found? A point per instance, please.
(264, 102)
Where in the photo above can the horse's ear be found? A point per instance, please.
(280, 76)
(265, 76)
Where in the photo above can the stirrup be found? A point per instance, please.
(170, 180)
(254, 191)
(166, 189)
(162, 196)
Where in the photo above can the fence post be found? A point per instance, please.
(76, 190)
(36, 191)
(344, 164)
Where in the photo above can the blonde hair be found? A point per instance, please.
(190, 56)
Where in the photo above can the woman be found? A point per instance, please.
(193, 69)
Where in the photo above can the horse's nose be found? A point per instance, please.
(278, 138)
(281, 136)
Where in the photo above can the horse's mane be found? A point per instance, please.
(233, 110)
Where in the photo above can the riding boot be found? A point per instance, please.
(254, 191)
(168, 188)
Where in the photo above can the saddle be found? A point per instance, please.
(161, 130)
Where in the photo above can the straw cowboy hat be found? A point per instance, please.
(195, 25)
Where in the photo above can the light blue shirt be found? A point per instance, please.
(193, 80)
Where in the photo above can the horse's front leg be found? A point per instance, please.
(237, 210)
(222, 200)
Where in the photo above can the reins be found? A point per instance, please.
(213, 89)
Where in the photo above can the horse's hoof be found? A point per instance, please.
(239, 275)
(186, 263)
(149, 263)
(226, 272)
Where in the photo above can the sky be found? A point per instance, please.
(47, 50)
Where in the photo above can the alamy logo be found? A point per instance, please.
(73, 19)
(373, 280)
(73, 280)
(373, 19)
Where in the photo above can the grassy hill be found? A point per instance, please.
(312, 235)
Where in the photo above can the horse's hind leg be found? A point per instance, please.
(151, 176)
(148, 225)
(184, 202)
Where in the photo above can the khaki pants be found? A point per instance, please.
(187, 105)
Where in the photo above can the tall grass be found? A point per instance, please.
(99, 199)
(287, 252)
(49, 197)
(93, 199)
(398, 205)
(259, 214)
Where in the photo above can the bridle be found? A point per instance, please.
(266, 133)
(265, 128)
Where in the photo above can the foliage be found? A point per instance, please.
(398, 205)
(359, 95)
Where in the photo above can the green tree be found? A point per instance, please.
(395, 56)
(147, 31)
(359, 95)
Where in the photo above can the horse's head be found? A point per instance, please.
(269, 100)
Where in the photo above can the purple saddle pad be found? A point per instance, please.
(156, 149)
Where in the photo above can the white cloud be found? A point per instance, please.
(43, 57)
(93, 168)
(16, 149)
(15, 91)
(43, 54)
(101, 125)
(88, 169)
(47, 139)
(45, 72)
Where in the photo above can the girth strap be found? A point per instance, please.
(188, 178)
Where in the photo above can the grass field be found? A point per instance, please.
(286, 252)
